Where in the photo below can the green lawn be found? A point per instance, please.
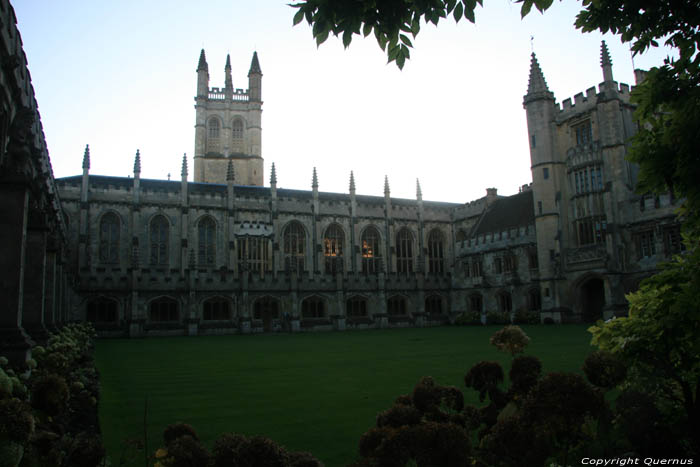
(314, 392)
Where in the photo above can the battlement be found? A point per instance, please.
(582, 102)
(238, 95)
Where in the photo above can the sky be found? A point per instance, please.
(121, 76)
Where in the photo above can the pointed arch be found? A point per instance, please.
(206, 241)
(313, 307)
(163, 309)
(434, 305)
(397, 305)
(102, 310)
(404, 251)
(371, 250)
(216, 308)
(436, 252)
(356, 307)
(534, 299)
(110, 226)
(294, 239)
(333, 240)
(505, 301)
(159, 239)
(213, 135)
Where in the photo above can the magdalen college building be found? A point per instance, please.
(223, 250)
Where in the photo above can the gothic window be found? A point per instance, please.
(673, 242)
(333, 249)
(476, 267)
(404, 252)
(645, 244)
(534, 301)
(266, 308)
(356, 307)
(591, 230)
(583, 133)
(159, 232)
(109, 238)
(216, 309)
(532, 258)
(294, 247)
(509, 263)
(498, 265)
(433, 305)
(213, 135)
(206, 242)
(371, 254)
(102, 310)
(237, 135)
(313, 308)
(588, 179)
(396, 306)
(436, 261)
(476, 303)
(163, 310)
(505, 302)
(253, 254)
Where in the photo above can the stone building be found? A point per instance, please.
(227, 254)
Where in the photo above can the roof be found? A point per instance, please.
(507, 213)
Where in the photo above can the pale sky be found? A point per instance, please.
(120, 76)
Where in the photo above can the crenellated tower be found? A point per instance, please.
(228, 127)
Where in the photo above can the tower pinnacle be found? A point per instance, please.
(352, 182)
(606, 62)
(537, 86)
(386, 185)
(419, 192)
(137, 163)
(254, 65)
(273, 175)
(314, 180)
(183, 172)
(86, 157)
(202, 66)
(229, 171)
(229, 81)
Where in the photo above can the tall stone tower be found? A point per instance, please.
(227, 127)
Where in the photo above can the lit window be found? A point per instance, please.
(333, 249)
(371, 254)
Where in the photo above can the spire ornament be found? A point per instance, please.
(314, 180)
(352, 182)
(386, 185)
(183, 172)
(273, 175)
(86, 157)
(230, 176)
(419, 192)
(202, 66)
(537, 86)
(606, 62)
(137, 163)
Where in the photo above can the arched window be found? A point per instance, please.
(237, 135)
(102, 310)
(534, 300)
(433, 305)
(333, 249)
(109, 238)
(404, 252)
(371, 254)
(206, 230)
(253, 254)
(396, 306)
(294, 247)
(476, 303)
(216, 309)
(313, 307)
(356, 307)
(266, 308)
(163, 310)
(505, 302)
(159, 240)
(213, 132)
(436, 261)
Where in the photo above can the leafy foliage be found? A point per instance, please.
(604, 370)
(510, 339)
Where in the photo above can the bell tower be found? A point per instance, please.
(228, 127)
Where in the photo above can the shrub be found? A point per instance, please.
(16, 421)
(175, 430)
(510, 339)
(466, 318)
(526, 317)
(186, 451)
(225, 449)
(484, 377)
(604, 370)
(524, 373)
(50, 394)
(303, 459)
(497, 317)
(398, 416)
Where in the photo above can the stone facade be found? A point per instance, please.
(225, 254)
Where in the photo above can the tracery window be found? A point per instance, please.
(333, 249)
(583, 133)
(645, 244)
(237, 135)
(673, 242)
(588, 179)
(102, 310)
(313, 307)
(591, 230)
(206, 242)
(109, 238)
(477, 267)
(476, 303)
(436, 261)
(163, 310)
(371, 254)
(253, 254)
(216, 309)
(356, 307)
(404, 252)
(433, 305)
(534, 300)
(294, 247)
(505, 302)
(266, 308)
(159, 232)
(396, 306)
(213, 135)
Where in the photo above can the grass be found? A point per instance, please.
(314, 392)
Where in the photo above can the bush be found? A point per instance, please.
(16, 421)
(398, 416)
(186, 451)
(524, 374)
(604, 370)
(497, 317)
(484, 377)
(468, 318)
(526, 317)
(175, 430)
(50, 395)
(510, 339)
